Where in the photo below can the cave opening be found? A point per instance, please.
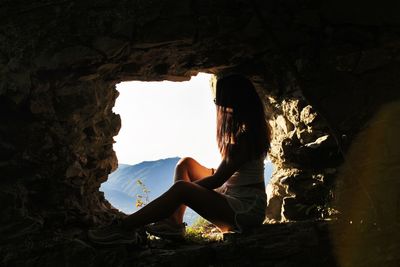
(161, 123)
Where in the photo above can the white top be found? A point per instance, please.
(251, 172)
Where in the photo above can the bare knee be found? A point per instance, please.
(185, 163)
(182, 168)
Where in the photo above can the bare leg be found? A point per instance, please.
(208, 203)
(188, 170)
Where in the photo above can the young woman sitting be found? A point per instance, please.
(232, 197)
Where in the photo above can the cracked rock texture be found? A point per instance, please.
(328, 73)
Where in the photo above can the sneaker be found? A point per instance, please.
(165, 229)
(113, 235)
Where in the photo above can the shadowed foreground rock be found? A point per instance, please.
(322, 243)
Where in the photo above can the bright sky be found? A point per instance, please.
(166, 119)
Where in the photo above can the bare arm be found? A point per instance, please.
(223, 172)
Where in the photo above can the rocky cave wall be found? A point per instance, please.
(322, 70)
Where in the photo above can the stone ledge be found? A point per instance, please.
(307, 243)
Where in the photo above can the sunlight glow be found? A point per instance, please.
(167, 119)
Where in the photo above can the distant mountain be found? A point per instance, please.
(122, 187)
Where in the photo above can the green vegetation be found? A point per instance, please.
(202, 231)
(142, 199)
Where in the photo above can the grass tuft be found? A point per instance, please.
(202, 231)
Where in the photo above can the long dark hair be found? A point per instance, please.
(241, 120)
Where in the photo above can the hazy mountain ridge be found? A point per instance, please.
(156, 175)
(122, 183)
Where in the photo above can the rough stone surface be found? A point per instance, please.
(308, 243)
(322, 69)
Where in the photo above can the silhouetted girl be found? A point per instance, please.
(233, 196)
